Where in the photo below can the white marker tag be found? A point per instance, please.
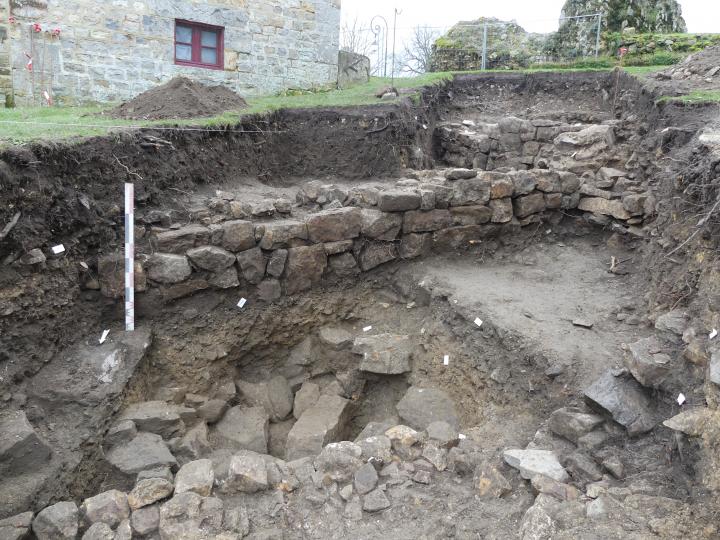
(241, 303)
(57, 250)
(104, 336)
(84, 265)
(462, 436)
(478, 321)
(422, 330)
(681, 398)
(713, 333)
(367, 328)
(446, 360)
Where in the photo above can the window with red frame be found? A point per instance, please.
(198, 44)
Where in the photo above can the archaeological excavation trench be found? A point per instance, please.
(459, 318)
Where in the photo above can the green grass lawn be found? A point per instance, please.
(698, 96)
(24, 124)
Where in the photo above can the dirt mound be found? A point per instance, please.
(179, 98)
(699, 71)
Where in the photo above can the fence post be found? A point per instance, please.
(484, 46)
(597, 37)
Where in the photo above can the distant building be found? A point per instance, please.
(75, 51)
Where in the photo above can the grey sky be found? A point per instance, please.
(533, 15)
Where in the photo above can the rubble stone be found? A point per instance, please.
(247, 473)
(336, 338)
(146, 520)
(20, 445)
(624, 400)
(384, 353)
(648, 361)
(145, 451)
(365, 479)
(109, 507)
(420, 407)
(533, 462)
(318, 425)
(489, 483)
(375, 501)
(16, 527)
(155, 417)
(274, 395)
(572, 423)
(148, 491)
(602, 206)
(57, 522)
(245, 428)
(196, 476)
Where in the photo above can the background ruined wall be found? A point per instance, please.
(110, 51)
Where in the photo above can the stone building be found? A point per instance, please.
(75, 51)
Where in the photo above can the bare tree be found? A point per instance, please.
(355, 38)
(418, 50)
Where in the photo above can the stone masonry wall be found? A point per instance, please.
(269, 249)
(6, 95)
(111, 51)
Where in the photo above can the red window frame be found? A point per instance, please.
(196, 44)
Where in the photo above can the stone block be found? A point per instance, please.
(182, 239)
(396, 200)
(252, 264)
(377, 253)
(305, 267)
(380, 225)
(283, 234)
(323, 422)
(245, 428)
(212, 258)
(166, 268)
(420, 407)
(237, 235)
(528, 205)
(426, 221)
(21, 449)
(470, 215)
(334, 225)
(502, 210)
(386, 354)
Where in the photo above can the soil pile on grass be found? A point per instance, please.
(699, 71)
(179, 98)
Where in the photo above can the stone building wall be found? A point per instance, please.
(112, 50)
(5, 73)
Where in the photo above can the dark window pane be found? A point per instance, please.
(183, 52)
(183, 34)
(208, 56)
(209, 38)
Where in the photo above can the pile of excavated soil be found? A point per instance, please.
(699, 71)
(179, 98)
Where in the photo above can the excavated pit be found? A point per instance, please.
(474, 260)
